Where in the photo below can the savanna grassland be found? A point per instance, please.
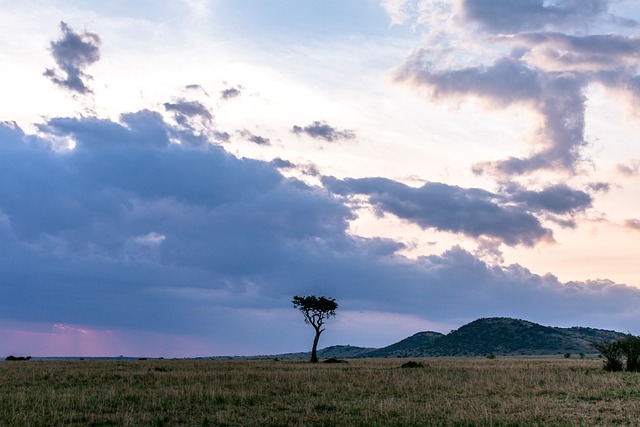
(365, 392)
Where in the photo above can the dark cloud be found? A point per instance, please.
(582, 53)
(142, 128)
(509, 80)
(196, 87)
(557, 95)
(256, 139)
(231, 92)
(195, 123)
(509, 16)
(307, 169)
(282, 164)
(260, 140)
(549, 69)
(131, 232)
(600, 186)
(184, 108)
(179, 215)
(221, 136)
(535, 296)
(473, 212)
(73, 52)
(611, 44)
(557, 199)
(321, 130)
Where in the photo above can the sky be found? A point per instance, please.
(173, 172)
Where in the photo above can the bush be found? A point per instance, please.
(630, 346)
(412, 364)
(334, 360)
(612, 351)
(621, 354)
(14, 358)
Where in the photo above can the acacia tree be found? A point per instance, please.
(630, 345)
(316, 311)
(612, 353)
(626, 348)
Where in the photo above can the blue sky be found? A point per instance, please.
(173, 172)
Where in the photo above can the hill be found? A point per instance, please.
(515, 337)
(409, 347)
(500, 336)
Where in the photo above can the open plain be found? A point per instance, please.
(362, 392)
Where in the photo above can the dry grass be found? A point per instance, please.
(463, 392)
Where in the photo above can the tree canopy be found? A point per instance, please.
(316, 310)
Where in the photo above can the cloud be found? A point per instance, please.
(557, 199)
(630, 168)
(509, 16)
(188, 109)
(150, 239)
(213, 221)
(134, 233)
(309, 169)
(229, 93)
(599, 186)
(546, 71)
(558, 97)
(194, 123)
(590, 53)
(256, 139)
(532, 295)
(558, 203)
(282, 164)
(321, 130)
(473, 212)
(400, 11)
(73, 52)
(632, 224)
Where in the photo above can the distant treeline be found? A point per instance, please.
(14, 358)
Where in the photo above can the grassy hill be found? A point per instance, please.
(514, 337)
(499, 336)
(409, 347)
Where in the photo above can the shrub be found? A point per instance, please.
(14, 358)
(630, 347)
(334, 360)
(412, 364)
(623, 353)
(612, 353)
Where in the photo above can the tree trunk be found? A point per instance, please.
(314, 356)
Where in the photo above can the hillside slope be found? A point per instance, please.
(412, 346)
(500, 336)
(507, 337)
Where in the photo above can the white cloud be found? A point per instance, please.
(151, 239)
(398, 10)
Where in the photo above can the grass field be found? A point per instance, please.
(369, 392)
